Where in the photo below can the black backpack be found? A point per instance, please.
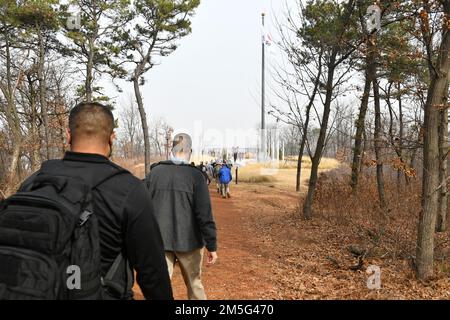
(49, 238)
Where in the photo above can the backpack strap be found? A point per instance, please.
(108, 280)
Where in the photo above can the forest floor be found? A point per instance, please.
(267, 251)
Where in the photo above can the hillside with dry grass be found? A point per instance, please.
(328, 257)
(281, 173)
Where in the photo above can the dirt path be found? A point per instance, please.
(241, 272)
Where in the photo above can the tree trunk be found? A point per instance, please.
(11, 175)
(394, 142)
(299, 162)
(377, 141)
(372, 74)
(12, 119)
(89, 72)
(357, 152)
(430, 183)
(441, 224)
(366, 145)
(305, 129)
(143, 115)
(42, 92)
(35, 137)
(307, 208)
(401, 133)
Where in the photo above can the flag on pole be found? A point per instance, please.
(267, 40)
(266, 37)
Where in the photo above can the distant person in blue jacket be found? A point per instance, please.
(225, 179)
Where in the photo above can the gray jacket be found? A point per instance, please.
(182, 207)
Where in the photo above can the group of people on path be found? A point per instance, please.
(86, 213)
(220, 172)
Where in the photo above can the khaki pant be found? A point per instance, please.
(218, 185)
(191, 269)
(225, 190)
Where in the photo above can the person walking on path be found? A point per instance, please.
(180, 196)
(114, 231)
(225, 178)
(217, 167)
(210, 170)
(203, 169)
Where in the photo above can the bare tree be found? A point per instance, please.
(335, 55)
(298, 79)
(130, 128)
(11, 78)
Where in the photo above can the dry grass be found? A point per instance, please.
(315, 259)
(383, 234)
(256, 179)
(282, 174)
(135, 165)
(325, 163)
(254, 173)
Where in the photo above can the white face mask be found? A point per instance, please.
(177, 160)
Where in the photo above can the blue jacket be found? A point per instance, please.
(225, 175)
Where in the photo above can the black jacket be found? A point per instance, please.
(182, 204)
(126, 223)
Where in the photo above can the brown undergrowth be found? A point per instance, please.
(328, 257)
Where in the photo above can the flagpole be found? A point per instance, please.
(263, 96)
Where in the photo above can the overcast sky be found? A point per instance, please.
(212, 81)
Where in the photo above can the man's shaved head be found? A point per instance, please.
(91, 121)
(182, 146)
(182, 143)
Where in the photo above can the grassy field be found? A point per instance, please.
(283, 174)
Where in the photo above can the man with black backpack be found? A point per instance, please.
(78, 227)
